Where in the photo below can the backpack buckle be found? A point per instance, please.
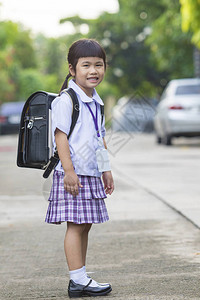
(30, 124)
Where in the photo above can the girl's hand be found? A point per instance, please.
(72, 183)
(108, 182)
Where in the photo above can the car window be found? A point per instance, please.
(11, 108)
(188, 89)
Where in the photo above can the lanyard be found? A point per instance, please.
(95, 119)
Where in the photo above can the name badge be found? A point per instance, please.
(103, 160)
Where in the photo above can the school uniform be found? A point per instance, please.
(89, 206)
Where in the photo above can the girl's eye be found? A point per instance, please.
(86, 65)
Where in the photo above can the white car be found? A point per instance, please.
(178, 112)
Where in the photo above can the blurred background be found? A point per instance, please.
(148, 44)
(151, 93)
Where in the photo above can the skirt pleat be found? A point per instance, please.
(88, 207)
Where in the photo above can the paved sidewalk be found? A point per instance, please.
(171, 174)
(147, 250)
(154, 256)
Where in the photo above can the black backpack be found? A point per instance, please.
(35, 142)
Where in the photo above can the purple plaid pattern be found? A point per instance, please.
(87, 207)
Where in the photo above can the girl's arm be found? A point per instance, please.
(71, 181)
(107, 178)
(104, 142)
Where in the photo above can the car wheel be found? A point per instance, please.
(167, 140)
(158, 140)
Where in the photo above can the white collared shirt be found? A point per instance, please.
(83, 141)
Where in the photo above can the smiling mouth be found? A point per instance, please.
(93, 78)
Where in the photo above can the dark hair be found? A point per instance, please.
(83, 48)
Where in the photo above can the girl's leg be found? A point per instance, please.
(73, 245)
(85, 242)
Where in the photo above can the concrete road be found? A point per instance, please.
(150, 248)
(169, 173)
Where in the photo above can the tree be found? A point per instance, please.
(51, 59)
(171, 49)
(190, 10)
(30, 81)
(144, 44)
(128, 56)
(16, 53)
(24, 52)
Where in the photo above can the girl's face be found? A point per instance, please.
(89, 73)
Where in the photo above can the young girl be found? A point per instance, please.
(77, 194)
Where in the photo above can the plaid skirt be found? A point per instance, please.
(87, 207)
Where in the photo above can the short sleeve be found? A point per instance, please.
(62, 113)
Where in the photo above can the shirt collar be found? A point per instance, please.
(83, 96)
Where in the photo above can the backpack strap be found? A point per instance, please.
(102, 113)
(75, 113)
(75, 108)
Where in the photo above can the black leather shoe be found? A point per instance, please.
(77, 290)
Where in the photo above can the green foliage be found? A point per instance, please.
(171, 49)
(24, 52)
(8, 33)
(7, 87)
(190, 10)
(51, 83)
(16, 55)
(13, 36)
(28, 65)
(144, 43)
(128, 59)
(51, 59)
(30, 81)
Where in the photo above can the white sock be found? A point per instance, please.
(84, 268)
(79, 276)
